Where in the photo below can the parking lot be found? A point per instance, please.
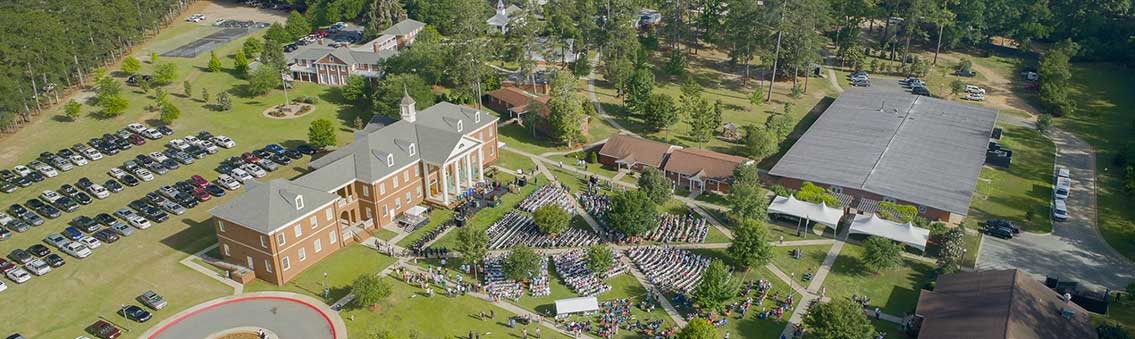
(1074, 250)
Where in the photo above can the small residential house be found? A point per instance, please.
(500, 20)
(627, 151)
(398, 36)
(516, 102)
(331, 66)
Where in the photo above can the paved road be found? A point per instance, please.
(288, 314)
(1074, 250)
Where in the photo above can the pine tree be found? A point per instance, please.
(321, 134)
(214, 63)
(240, 63)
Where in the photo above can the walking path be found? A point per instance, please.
(835, 82)
(670, 310)
(297, 315)
(813, 289)
(238, 288)
(721, 228)
(595, 99)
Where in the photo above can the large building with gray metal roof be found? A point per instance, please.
(881, 145)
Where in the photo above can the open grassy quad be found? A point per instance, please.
(1103, 92)
(514, 161)
(1023, 192)
(62, 303)
(809, 261)
(341, 269)
(488, 215)
(894, 291)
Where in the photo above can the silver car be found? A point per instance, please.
(122, 229)
(173, 208)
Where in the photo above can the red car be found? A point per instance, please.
(104, 330)
(6, 266)
(201, 194)
(136, 139)
(198, 181)
(249, 158)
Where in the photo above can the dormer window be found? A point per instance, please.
(390, 160)
(299, 202)
(459, 125)
(477, 117)
(413, 148)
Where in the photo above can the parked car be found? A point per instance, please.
(39, 250)
(254, 170)
(54, 260)
(130, 180)
(5, 234)
(293, 154)
(920, 91)
(861, 83)
(224, 141)
(274, 148)
(113, 186)
(99, 191)
(974, 96)
(215, 190)
(38, 267)
(1059, 210)
(201, 194)
(249, 158)
(152, 300)
(974, 89)
(116, 173)
(6, 266)
(151, 134)
(20, 256)
(267, 165)
(965, 73)
(108, 236)
(135, 313)
(91, 242)
(132, 218)
(56, 240)
(1062, 188)
(76, 249)
(85, 223)
(165, 130)
(177, 144)
(172, 208)
(186, 200)
(43, 209)
(228, 182)
(73, 233)
(122, 229)
(1003, 223)
(104, 330)
(198, 181)
(241, 175)
(19, 275)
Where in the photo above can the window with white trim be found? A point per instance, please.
(394, 182)
(366, 191)
(492, 150)
(382, 188)
(281, 239)
(385, 210)
(263, 242)
(332, 237)
(460, 125)
(299, 202)
(314, 221)
(286, 262)
(267, 265)
(406, 176)
(397, 205)
(220, 225)
(836, 189)
(298, 230)
(413, 148)
(419, 192)
(302, 254)
(477, 117)
(318, 245)
(417, 171)
(369, 214)
(921, 209)
(408, 198)
(328, 214)
(389, 160)
(225, 247)
(251, 263)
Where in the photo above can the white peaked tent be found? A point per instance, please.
(905, 233)
(576, 305)
(828, 216)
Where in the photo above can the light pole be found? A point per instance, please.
(326, 290)
(284, 78)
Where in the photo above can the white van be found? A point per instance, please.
(1062, 188)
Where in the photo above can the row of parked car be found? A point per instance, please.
(916, 85)
(49, 164)
(105, 330)
(1060, 191)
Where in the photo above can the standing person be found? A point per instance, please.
(524, 333)
(878, 313)
(537, 332)
(492, 315)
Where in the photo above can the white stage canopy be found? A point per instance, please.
(576, 305)
(905, 233)
(821, 213)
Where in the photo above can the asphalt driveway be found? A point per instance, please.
(286, 314)
(1075, 249)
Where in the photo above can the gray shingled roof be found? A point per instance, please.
(913, 148)
(369, 151)
(267, 207)
(403, 27)
(349, 56)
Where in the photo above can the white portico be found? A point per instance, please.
(460, 171)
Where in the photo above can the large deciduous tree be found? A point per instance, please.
(698, 328)
(369, 289)
(522, 264)
(381, 14)
(262, 80)
(838, 319)
(297, 25)
(655, 185)
(472, 243)
(599, 259)
(565, 111)
(758, 142)
(659, 111)
(321, 134)
(639, 89)
(750, 247)
(716, 286)
(880, 254)
(391, 89)
(551, 219)
(747, 200)
(632, 213)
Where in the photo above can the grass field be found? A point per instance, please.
(1106, 107)
(69, 298)
(514, 161)
(341, 268)
(409, 313)
(750, 326)
(487, 216)
(809, 261)
(894, 291)
(1023, 192)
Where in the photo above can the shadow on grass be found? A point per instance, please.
(197, 236)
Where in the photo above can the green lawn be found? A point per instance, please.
(385, 234)
(409, 313)
(341, 269)
(488, 216)
(894, 291)
(1023, 192)
(1123, 312)
(514, 161)
(713, 198)
(750, 326)
(809, 261)
(1103, 92)
(437, 217)
(889, 329)
(149, 259)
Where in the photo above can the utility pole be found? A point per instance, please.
(779, 33)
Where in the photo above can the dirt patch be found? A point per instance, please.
(1000, 89)
(239, 336)
(232, 10)
(290, 111)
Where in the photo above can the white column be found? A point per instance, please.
(480, 165)
(469, 169)
(444, 185)
(426, 170)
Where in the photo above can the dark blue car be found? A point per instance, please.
(274, 148)
(73, 233)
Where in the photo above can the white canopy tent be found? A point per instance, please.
(576, 305)
(828, 216)
(905, 233)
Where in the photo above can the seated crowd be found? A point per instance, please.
(547, 194)
(517, 228)
(613, 316)
(572, 268)
(498, 286)
(669, 268)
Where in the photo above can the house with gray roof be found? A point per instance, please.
(886, 145)
(503, 17)
(397, 36)
(279, 228)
